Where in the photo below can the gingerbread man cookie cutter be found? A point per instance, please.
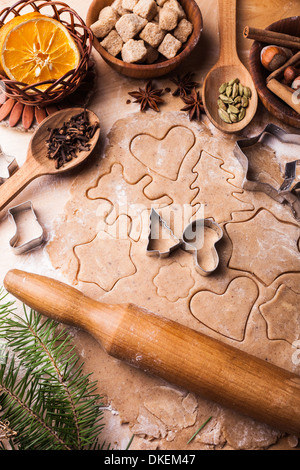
(31, 244)
(287, 193)
(8, 166)
(191, 241)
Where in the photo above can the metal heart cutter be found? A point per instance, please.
(289, 191)
(195, 240)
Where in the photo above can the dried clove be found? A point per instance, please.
(73, 136)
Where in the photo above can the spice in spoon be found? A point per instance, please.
(72, 137)
(233, 100)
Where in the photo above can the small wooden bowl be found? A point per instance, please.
(158, 69)
(272, 103)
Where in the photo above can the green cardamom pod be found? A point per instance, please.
(232, 82)
(233, 109)
(235, 90)
(222, 105)
(233, 117)
(241, 89)
(237, 100)
(228, 91)
(222, 88)
(245, 102)
(242, 114)
(224, 116)
(225, 99)
(247, 92)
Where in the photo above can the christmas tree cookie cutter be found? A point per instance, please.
(191, 241)
(288, 193)
(39, 237)
(8, 166)
(156, 223)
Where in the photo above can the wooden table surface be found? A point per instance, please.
(49, 195)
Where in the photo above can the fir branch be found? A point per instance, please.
(49, 401)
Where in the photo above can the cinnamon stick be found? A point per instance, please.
(272, 37)
(285, 94)
(279, 72)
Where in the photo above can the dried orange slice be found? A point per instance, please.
(35, 48)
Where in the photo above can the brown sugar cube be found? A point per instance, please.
(112, 43)
(152, 54)
(161, 3)
(117, 6)
(183, 30)
(177, 7)
(152, 34)
(146, 9)
(170, 46)
(107, 20)
(134, 51)
(129, 4)
(129, 25)
(168, 19)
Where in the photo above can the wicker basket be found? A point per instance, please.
(58, 89)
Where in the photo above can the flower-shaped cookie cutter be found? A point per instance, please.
(192, 240)
(32, 243)
(288, 192)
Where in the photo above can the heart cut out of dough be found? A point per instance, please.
(164, 156)
(226, 313)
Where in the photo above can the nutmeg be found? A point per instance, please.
(296, 83)
(273, 57)
(290, 74)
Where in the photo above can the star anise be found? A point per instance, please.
(185, 85)
(149, 97)
(194, 105)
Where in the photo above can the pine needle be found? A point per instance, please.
(130, 442)
(200, 429)
(49, 402)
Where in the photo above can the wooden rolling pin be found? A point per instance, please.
(178, 354)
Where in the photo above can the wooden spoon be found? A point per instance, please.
(227, 68)
(37, 162)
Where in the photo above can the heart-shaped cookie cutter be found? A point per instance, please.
(190, 239)
(287, 193)
(34, 242)
(193, 235)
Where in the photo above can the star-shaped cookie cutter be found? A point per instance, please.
(287, 193)
(192, 234)
(8, 166)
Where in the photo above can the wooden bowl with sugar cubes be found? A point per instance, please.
(145, 38)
